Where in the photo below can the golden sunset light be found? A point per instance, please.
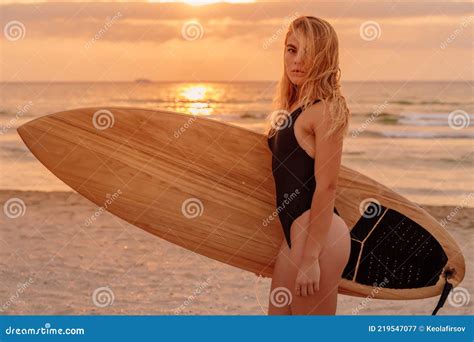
(203, 2)
(196, 97)
(172, 40)
(195, 93)
(241, 158)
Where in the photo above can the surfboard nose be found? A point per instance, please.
(29, 132)
(54, 131)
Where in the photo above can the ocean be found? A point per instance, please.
(414, 137)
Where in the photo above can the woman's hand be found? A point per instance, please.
(307, 279)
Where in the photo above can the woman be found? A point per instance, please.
(307, 152)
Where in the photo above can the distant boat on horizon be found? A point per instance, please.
(143, 80)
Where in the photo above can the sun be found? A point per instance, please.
(195, 93)
(205, 2)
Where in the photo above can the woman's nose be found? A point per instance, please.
(298, 58)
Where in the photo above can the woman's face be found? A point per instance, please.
(294, 61)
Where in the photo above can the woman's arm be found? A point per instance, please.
(328, 154)
(327, 161)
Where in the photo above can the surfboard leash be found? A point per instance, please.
(446, 290)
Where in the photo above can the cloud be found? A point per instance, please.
(118, 41)
(157, 22)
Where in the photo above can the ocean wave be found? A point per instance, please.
(417, 135)
(429, 119)
(237, 117)
(230, 101)
(388, 118)
(13, 148)
(5, 115)
(432, 102)
(437, 123)
(417, 119)
(254, 115)
(14, 153)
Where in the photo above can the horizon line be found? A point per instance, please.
(145, 81)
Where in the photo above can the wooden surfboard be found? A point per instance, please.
(207, 186)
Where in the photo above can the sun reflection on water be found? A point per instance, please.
(195, 98)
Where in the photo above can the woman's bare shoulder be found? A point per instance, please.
(317, 113)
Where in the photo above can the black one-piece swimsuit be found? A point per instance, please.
(293, 172)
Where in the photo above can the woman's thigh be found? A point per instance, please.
(332, 260)
(280, 296)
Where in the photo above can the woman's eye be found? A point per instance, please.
(290, 50)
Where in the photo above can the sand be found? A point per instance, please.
(53, 262)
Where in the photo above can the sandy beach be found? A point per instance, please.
(53, 262)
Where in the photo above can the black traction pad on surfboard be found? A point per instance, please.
(397, 252)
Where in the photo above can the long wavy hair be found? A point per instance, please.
(320, 41)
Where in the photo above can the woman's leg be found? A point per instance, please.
(280, 295)
(332, 261)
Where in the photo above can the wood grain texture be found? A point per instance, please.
(201, 184)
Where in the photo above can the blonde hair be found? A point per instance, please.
(320, 41)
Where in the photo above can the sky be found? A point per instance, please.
(123, 41)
